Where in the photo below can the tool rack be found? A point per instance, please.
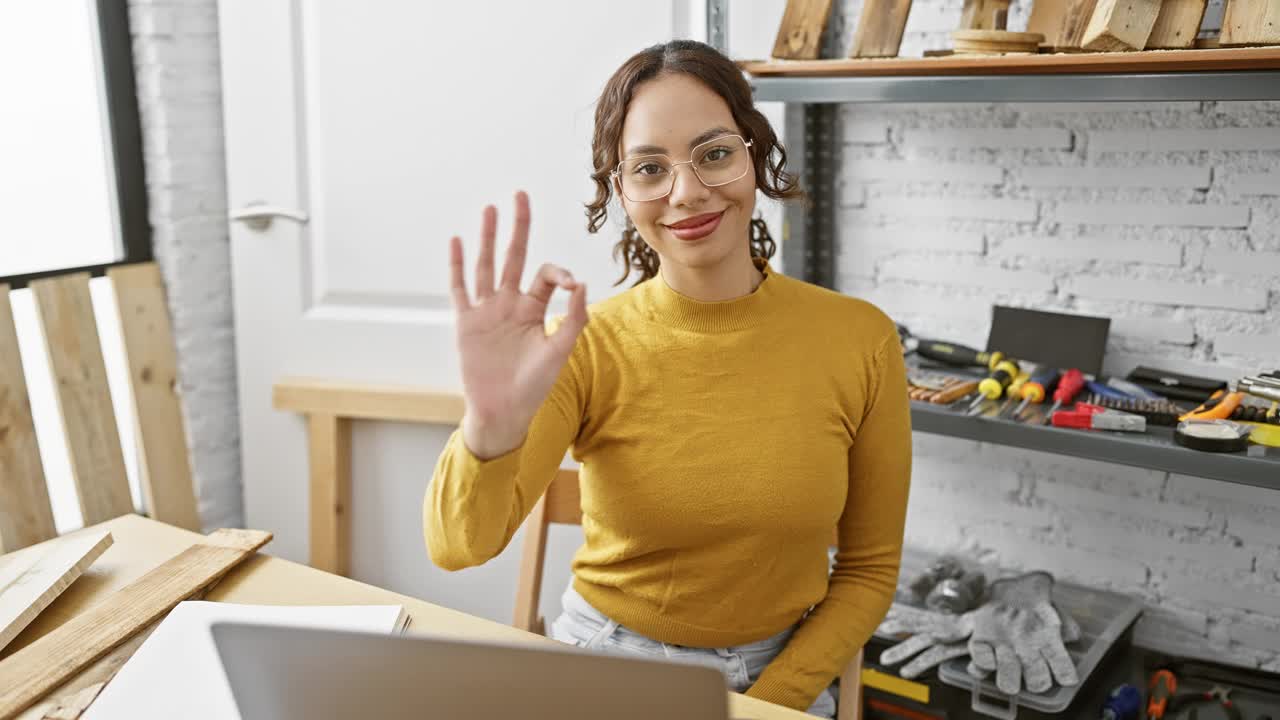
(812, 140)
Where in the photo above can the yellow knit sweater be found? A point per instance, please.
(721, 443)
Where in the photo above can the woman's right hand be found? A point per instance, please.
(509, 363)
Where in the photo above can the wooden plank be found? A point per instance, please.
(365, 401)
(800, 33)
(532, 555)
(1074, 21)
(1178, 24)
(984, 15)
(1119, 25)
(164, 461)
(564, 499)
(1251, 22)
(26, 517)
(329, 449)
(84, 399)
(880, 28)
(29, 585)
(1046, 18)
(1152, 61)
(33, 671)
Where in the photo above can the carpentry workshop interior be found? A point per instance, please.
(857, 359)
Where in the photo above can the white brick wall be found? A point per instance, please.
(175, 47)
(1164, 217)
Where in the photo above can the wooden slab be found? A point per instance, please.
(1119, 25)
(30, 673)
(800, 33)
(994, 42)
(1177, 24)
(29, 584)
(1149, 61)
(329, 451)
(164, 464)
(84, 399)
(344, 399)
(880, 28)
(984, 15)
(1074, 21)
(1046, 18)
(1251, 22)
(26, 517)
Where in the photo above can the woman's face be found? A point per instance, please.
(671, 115)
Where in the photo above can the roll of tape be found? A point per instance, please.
(1212, 435)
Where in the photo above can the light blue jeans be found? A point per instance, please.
(582, 625)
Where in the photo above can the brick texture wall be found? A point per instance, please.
(175, 50)
(1165, 217)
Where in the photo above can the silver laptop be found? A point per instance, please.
(287, 673)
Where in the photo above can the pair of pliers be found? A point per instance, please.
(1217, 694)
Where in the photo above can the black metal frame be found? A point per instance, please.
(125, 133)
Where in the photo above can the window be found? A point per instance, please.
(72, 190)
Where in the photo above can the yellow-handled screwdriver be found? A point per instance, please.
(1014, 391)
(992, 386)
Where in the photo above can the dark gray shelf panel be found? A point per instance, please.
(1102, 87)
(1154, 449)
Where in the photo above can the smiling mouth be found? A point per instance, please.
(696, 227)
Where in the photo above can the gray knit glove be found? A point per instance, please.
(1016, 632)
(1019, 635)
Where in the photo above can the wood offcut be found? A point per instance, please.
(1118, 25)
(1046, 18)
(30, 582)
(30, 673)
(984, 15)
(880, 28)
(1251, 22)
(800, 34)
(26, 517)
(1177, 25)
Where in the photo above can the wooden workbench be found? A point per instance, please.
(141, 544)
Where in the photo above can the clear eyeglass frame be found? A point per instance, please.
(617, 170)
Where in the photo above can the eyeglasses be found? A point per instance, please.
(715, 162)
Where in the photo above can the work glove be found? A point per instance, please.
(1017, 626)
(1019, 634)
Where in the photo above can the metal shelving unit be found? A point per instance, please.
(813, 145)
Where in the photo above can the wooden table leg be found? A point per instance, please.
(329, 447)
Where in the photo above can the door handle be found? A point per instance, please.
(258, 216)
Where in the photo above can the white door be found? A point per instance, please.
(390, 125)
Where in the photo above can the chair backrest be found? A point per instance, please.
(562, 504)
(79, 378)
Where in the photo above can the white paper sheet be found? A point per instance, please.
(177, 672)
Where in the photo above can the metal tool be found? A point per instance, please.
(954, 354)
(1095, 417)
(992, 387)
(1217, 694)
(1160, 689)
(1037, 388)
(1070, 385)
(1123, 703)
(1014, 391)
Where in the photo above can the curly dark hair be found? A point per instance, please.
(719, 74)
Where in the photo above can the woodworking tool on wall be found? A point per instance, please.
(1219, 406)
(1157, 412)
(1160, 689)
(959, 355)
(1042, 383)
(1095, 417)
(1014, 391)
(992, 387)
(1069, 385)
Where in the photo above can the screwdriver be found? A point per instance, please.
(1014, 391)
(993, 385)
(1037, 388)
(953, 354)
(1070, 385)
(1162, 687)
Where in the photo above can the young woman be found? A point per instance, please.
(727, 418)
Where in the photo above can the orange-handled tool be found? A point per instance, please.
(1162, 687)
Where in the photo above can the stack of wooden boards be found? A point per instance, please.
(59, 674)
(1053, 26)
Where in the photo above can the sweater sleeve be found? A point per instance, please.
(473, 507)
(865, 574)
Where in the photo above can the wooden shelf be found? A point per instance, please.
(1146, 61)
